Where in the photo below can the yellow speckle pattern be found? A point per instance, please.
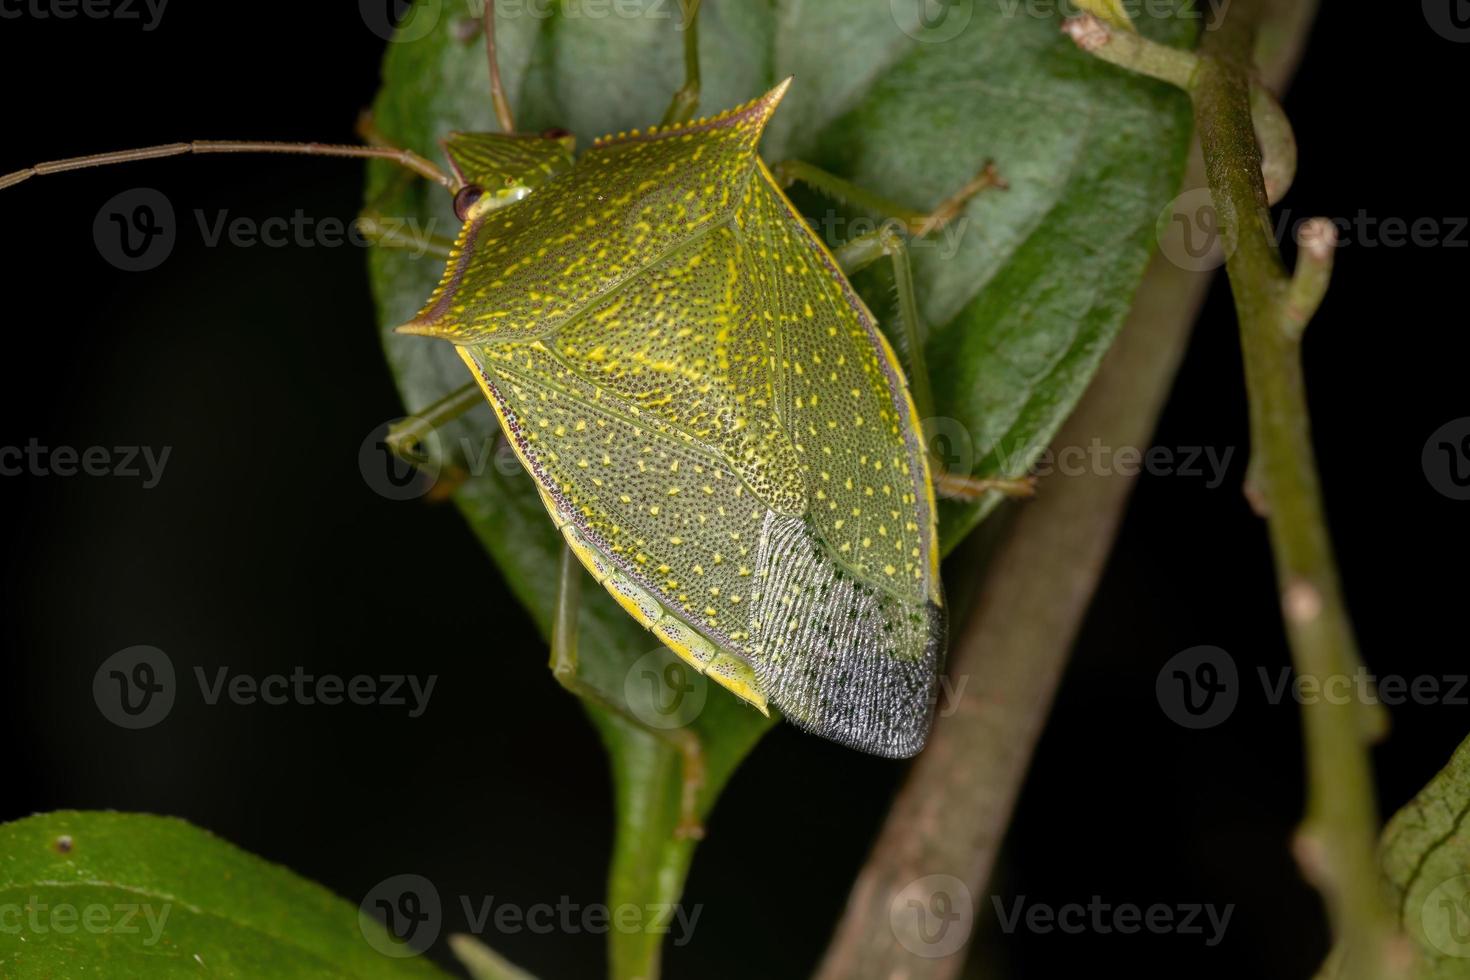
(841, 400)
(735, 675)
(715, 423)
(688, 347)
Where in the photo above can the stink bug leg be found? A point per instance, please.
(685, 102)
(564, 669)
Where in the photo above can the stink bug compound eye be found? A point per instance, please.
(465, 198)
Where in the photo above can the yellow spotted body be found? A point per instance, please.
(713, 418)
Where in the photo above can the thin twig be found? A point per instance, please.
(1180, 68)
(1336, 844)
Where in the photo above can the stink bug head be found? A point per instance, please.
(632, 197)
(497, 169)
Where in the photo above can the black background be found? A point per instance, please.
(263, 548)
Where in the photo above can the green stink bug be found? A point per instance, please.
(714, 420)
(712, 417)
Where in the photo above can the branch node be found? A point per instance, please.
(1255, 496)
(1313, 856)
(1254, 487)
(1302, 601)
(1318, 237)
(1132, 51)
(1317, 240)
(1087, 31)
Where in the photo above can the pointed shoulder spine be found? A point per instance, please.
(757, 111)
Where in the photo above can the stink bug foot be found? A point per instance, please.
(916, 223)
(968, 489)
(950, 208)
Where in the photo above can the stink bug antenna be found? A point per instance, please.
(404, 158)
(497, 90)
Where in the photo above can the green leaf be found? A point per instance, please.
(125, 895)
(1022, 297)
(1425, 856)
